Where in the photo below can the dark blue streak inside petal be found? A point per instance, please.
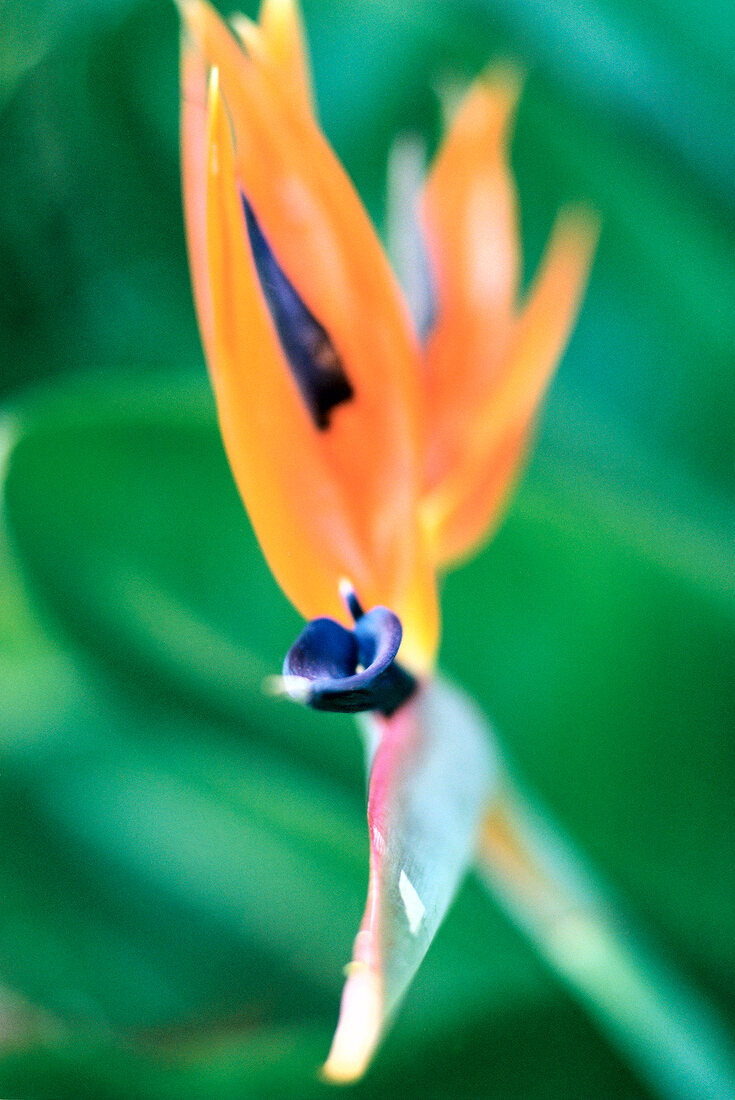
(328, 656)
(314, 363)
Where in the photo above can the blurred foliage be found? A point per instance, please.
(184, 858)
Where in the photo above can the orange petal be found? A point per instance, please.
(279, 41)
(460, 510)
(470, 221)
(463, 520)
(323, 241)
(294, 502)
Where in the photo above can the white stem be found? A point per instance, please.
(675, 1039)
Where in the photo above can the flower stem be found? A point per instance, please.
(665, 1029)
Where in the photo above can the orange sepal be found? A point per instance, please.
(294, 502)
(362, 473)
(463, 508)
(470, 220)
(278, 43)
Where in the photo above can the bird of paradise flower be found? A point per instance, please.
(371, 453)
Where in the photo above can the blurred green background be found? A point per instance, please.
(183, 859)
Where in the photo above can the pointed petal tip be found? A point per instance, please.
(187, 18)
(504, 81)
(581, 223)
(504, 76)
(187, 10)
(283, 37)
(277, 10)
(500, 81)
(281, 19)
(570, 252)
(249, 34)
(203, 24)
(358, 1029)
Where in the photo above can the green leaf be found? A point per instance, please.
(174, 863)
(146, 557)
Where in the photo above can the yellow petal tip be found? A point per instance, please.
(186, 9)
(249, 34)
(195, 15)
(583, 222)
(505, 76)
(277, 12)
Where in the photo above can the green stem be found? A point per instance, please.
(677, 1042)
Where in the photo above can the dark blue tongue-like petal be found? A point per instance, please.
(325, 660)
(325, 650)
(311, 355)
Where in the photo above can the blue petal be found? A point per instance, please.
(321, 667)
(312, 358)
